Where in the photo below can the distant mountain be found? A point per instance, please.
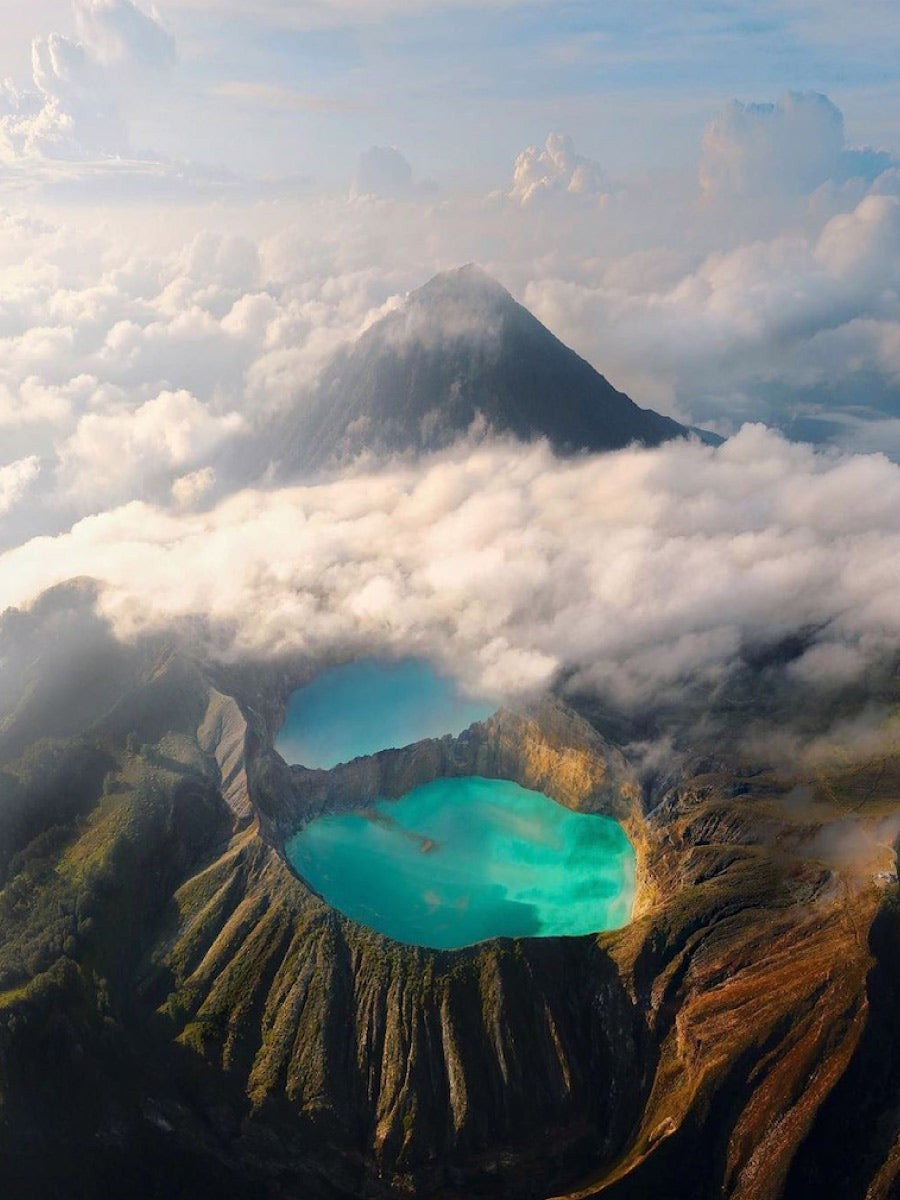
(459, 352)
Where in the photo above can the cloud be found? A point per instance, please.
(76, 132)
(129, 369)
(189, 490)
(125, 369)
(681, 308)
(97, 324)
(15, 480)
(111, 455)
(790, 147)
(383, 172)
(119, 33)
(645, 576)
(771, 329)
(76, 107)
(554, 169)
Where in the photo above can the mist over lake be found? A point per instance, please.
(370, 705)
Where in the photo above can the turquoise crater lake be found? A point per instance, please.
(369, 705)
(458, 861)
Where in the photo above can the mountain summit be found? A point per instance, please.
(459, 351)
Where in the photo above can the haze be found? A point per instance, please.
(202, 202)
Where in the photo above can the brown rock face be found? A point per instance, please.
(415, 1065)
(546, 747)
(743, 984)
(503, 1061)
(180, 1015)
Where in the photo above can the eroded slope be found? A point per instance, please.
(180, 1015)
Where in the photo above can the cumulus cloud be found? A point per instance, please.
(554, 169)
(118, 32)
(116, 454)
(772, 329)
(15, 480)
(76, 107)
(125, 368)
(790, 147)
(189, 490)
(640, 575)
(385, 173)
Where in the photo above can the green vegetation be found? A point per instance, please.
(181, 1016)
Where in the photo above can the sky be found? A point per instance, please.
(282, 87)
(202, 200)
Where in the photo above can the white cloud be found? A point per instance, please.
(119, 33)
(791, 147)
(189, 490)
(112, 455)
(124, 369)
(555, 169)
(688, 315)
(750, 149)
(645, 572)
(862, 245)
(15, 480)
(81, 89)
(762, 330)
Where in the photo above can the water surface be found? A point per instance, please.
(458, 861)
(370, 705)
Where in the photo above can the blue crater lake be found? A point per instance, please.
(370, 705)
(459, 861)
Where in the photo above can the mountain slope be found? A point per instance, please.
(181, 1016)
(459, 352)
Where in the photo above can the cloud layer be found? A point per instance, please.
(689, 309)
(647, 575)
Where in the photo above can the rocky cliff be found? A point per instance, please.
(181, 1016)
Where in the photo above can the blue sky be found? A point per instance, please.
(460, 88)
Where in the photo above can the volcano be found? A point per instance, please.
(181, 1015)
(459, 355)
